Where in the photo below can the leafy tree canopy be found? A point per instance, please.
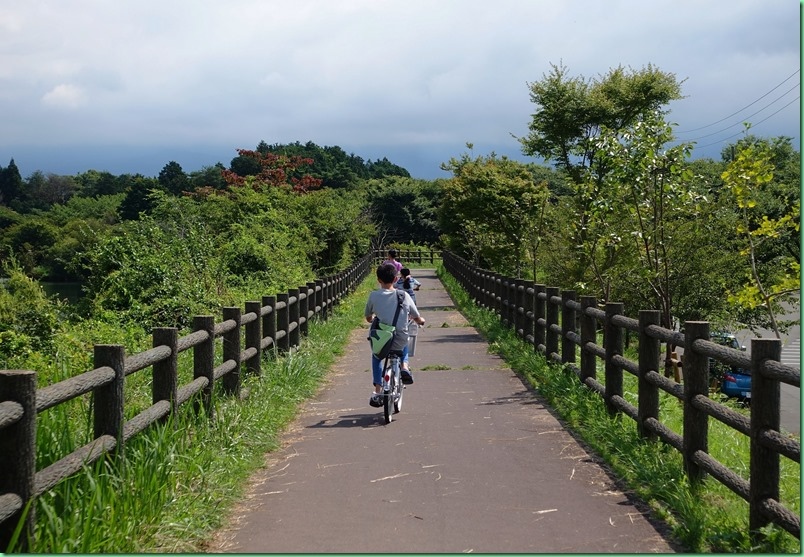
(331, 164)
(491, 211)
(173, 179)
(571, 110)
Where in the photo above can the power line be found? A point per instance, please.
(753, 125)
(749, 116)
(747, 106)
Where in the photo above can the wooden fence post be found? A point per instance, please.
(269, 321)
(649, 355)
(282, 321)
(498, 295)
(329, 295)
(254, 338)
(588, 336)
(519, 308)
(540, 319)
(505, 301)
(488, 290)
(293, 317)
(325, 299)
(336, 289)
(165, 374)
(552, 319)
(18, 453)
(474, 287)
(109, 399)
(231, 351)
(303, 305)
(567, 326)
(311, 311)
(319, 299)
(511, 296)
(613, 340)
(204, 362)
(530, 311)
(696, 382)
(765, 415)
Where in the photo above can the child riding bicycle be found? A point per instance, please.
(382, 303)
(407, 283)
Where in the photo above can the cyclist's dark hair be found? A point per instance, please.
(386, 273)
(405, 272)
(392, 253)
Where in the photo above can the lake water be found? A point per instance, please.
(69, 291)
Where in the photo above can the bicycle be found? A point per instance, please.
(392, 387)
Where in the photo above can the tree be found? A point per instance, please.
(570, 114)
(94, 183)
(29, 241)
(383, 167)
(208, 178)
(173, 179)
(331, 164)
(777, 276)
(244, 166)
(10, 184)
(571, 111)
(139, 199)
(406, 210)
(58, 189)
(490, 209)
(274, 171)
(651, 188)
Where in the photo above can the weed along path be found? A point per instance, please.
(475, 462)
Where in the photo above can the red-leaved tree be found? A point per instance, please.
(275, 171)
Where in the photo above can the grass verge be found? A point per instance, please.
(708, 518)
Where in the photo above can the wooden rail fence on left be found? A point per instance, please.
(275, 322)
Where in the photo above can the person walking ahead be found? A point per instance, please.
(383, 303)
(392, 253)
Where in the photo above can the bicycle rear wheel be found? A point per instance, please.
(400, 390)
(388, 402)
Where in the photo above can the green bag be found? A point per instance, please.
(381, 335)
(381, 338)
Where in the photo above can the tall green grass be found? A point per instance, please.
(176, 482)
(708, 518)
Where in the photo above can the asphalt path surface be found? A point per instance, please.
(474, 462)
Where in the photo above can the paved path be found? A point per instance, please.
(475, 462)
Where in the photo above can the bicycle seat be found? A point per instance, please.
(397, 353)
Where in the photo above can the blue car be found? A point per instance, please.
(734, 381)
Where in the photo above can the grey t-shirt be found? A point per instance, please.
(382, 303)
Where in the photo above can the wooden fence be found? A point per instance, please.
(275, 322)
(546, 318)
(410, 256)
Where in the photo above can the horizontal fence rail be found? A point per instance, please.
(557, 325)
(276, 322)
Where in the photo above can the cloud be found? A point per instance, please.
(419, 75)
(65, 96)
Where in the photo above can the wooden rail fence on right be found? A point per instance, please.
(546, 318)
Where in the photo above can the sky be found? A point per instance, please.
(127, 86)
